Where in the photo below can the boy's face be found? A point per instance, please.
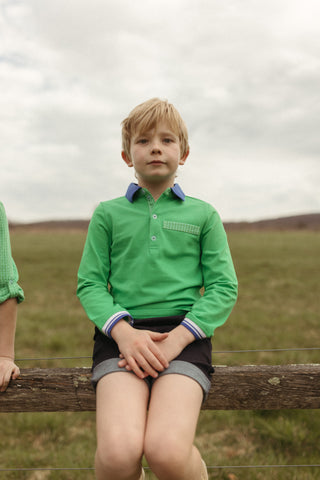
(155, 156)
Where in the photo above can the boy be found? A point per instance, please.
(10, 295)
(146, 256)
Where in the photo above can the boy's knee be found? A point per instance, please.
(118, 456)
(166, 454)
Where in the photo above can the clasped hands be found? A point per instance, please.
(147, 353)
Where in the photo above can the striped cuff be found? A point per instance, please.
(113, 320)
(193, 328)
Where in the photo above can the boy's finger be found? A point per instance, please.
(149, 364)
(136, 368)
(122, 363)
(15, 372)
(161, 359)
(4, 382)
(153, 360)
(157, 336)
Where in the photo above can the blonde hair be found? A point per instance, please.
(147, 115)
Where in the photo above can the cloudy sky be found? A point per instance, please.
(244, 74)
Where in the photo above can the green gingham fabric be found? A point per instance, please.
(182, 227)
(9, 287)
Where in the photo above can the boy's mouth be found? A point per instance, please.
(156, 162)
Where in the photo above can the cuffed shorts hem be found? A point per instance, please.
(177, 367)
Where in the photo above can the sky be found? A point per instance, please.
(244, 75)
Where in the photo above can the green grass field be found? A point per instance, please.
(278, 307)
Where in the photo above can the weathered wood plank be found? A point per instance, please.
(49, 390)
(264, 387)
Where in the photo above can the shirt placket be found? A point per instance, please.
(154, 225)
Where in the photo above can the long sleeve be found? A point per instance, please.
(219, 279)
(9, 287)
(93, 275)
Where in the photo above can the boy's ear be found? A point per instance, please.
(127, 159)
(184, 158)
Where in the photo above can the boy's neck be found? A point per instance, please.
(156, 190)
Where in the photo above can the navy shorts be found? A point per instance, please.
(194, 361)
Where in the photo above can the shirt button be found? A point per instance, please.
(153, 238)
(155, 216)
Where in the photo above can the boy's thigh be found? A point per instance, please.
(121, 407)
(174, 408)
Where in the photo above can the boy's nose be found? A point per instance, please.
(155, 147)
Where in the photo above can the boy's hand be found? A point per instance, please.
(8, 370)
(166, 346)
(140, 350)
(170, 346)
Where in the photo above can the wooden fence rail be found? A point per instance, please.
(250, 387)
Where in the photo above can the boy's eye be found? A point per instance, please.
(167, 140)
(142, 140)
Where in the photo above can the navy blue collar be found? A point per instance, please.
(133, 188)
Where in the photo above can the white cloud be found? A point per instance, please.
(244, 76)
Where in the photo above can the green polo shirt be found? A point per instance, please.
(147, 259)
(9, 287)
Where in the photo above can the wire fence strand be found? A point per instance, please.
(209, 467)
(268, 350)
